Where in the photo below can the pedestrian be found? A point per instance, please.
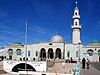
(63, 64)
(71, 60)
(83, 63)
(88, 63)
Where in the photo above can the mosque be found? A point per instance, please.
(56, 48)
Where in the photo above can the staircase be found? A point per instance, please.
(61, 67)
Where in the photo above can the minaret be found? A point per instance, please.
(76, 26)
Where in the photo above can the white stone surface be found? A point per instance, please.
(38, 66)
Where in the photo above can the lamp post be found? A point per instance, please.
(77, 67)
(64, 50)
(79, 56)
(79, 51)
(26, 47)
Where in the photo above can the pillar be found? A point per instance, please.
(54, 55)
(46, 55)
(61, 55)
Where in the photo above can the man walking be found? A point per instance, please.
(88, 63)
(83, 63)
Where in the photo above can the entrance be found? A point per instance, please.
(50, 53)
(42, 53)
(58, 53)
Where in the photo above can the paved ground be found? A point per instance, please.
(90, 71)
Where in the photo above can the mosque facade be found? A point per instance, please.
(56, 48)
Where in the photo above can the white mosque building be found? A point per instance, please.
(56, 48)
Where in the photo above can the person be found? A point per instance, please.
(71, 60)
(63, 64)
(88, 63)
(83, 63)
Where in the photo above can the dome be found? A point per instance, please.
(57, 39)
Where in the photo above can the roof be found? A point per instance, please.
(57, 39)
(94, 43)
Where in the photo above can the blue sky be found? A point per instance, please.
(46, 18)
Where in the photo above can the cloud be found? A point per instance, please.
(3, 37)
(40, 30)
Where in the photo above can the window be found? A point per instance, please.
(36, 53)
(28, 53)
(10, 52)
(75, 23)
(18, 51)
(90, 52)
(75, 13)
(76, 53)
(68, 54)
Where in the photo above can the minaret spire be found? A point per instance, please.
(76, 26)
(76, 3)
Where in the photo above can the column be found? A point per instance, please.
(61, 55)
(46, 55)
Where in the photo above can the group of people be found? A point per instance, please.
(85, 61)
(70, 60)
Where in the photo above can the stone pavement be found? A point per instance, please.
(90, 71)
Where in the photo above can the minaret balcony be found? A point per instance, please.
(76, 16)
(76, 26)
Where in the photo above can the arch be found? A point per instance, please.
(90, 52)
(58, 53)
(21, 67)
(50, 53)
(42, 53)
(98, 52)
(18, 52)
(10, 53)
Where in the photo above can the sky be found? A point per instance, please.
(47, 18)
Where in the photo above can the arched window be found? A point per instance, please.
(76, 53)
(75, 13)
(90, 52)
(18, 51)
(98, 52)
(10, 51)
(68, 54)
(36, 53)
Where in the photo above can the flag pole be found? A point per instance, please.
(25, 46)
